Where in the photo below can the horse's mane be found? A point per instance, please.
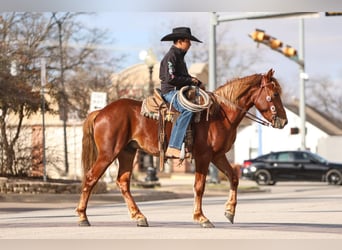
(234, 89)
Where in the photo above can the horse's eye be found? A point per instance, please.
(276, 94)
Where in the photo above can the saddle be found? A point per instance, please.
(155, 107)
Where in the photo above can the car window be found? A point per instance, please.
(300, 156)
(285, 156)
(265, 157)
(316, 157)
(270, 157)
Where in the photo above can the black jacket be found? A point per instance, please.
(173, 71)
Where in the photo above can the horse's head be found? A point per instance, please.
(267, 100)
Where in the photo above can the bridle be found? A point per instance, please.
(273, 109)
(253, 117)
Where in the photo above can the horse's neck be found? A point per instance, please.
(235, 113)
(235, 101)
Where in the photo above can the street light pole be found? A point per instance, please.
(213, 172)
(151, 170)
(212, 52)
(150, 60)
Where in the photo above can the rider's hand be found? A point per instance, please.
(198, 83)
(195, 81)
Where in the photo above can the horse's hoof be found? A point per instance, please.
(230, 217)
(207, 224)
(142, 222)
(84, 223)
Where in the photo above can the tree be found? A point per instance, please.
(18, 74)
(77, 61)
(16, 97)
(325, 96)
(68, 47)
(89, 77)
(70, 52)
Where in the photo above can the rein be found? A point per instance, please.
(257, 119)
(248, 115)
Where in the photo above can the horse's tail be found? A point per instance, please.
(89, 151)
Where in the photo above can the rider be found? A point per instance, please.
(174, 75)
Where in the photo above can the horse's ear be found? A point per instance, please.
(269, 74)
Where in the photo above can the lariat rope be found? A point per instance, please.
(194, 107)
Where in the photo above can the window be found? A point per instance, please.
(286, 156)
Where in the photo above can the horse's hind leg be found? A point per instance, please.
(233, 177)
(91, 178)
(126, 158)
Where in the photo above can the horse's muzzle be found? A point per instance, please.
(279, 122)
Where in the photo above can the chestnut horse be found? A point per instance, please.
(118, 130)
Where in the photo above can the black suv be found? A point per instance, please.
(291, 166)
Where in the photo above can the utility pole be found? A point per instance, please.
(216, 20)
(302, 78)
(63, 101)
(275, 44)
(43, 83)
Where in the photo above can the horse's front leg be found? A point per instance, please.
(123, 182)
(232, 174)
(199, 186)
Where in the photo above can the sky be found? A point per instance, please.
(139, 24)
(137, 31)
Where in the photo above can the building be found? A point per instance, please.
(255, 139)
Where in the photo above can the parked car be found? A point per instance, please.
(291, 166)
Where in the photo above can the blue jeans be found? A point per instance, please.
(179, 128)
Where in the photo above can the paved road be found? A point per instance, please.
(286, 211)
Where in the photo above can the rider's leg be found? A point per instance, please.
(179, 129)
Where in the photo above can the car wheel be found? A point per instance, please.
(263, 177)
(334, 177)
(272, 183)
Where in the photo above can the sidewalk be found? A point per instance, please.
(176, 186)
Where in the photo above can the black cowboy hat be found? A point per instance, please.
(179, 33)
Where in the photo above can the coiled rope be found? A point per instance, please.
(194, 107)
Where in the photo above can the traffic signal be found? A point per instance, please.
(333, 13)
(260, 36)
(289, 51)
(275, 43)
(294, 130)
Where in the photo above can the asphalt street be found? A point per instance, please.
(285, 211)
